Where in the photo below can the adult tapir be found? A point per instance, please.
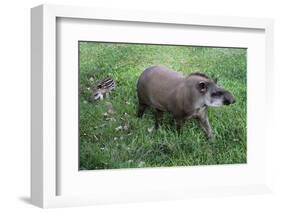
(183, 96)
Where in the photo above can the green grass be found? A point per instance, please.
(104, 147)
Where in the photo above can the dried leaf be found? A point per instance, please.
(125, 127)
(118, 128)
(150, 129)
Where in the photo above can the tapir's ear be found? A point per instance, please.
(202, 86)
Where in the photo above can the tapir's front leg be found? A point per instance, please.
(204, 123)
(179, 121)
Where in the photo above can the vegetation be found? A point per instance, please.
(111, 136)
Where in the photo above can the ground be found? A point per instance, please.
(111, 136)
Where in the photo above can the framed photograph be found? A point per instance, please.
(130, 106)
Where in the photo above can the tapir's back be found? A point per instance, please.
(156, 84)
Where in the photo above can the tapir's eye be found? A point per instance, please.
(217, 94)
(202, 86)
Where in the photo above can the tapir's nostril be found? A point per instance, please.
(229, 101)
(226, 102)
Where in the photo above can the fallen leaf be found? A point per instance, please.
(125, 127)
(110, 111)
(150, 129)
(118, 128)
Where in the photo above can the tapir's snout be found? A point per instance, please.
(228, 98)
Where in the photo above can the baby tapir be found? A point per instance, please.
(183, 96)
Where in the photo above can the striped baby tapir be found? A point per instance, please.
(103, 88)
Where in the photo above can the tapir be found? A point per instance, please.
(184, 96)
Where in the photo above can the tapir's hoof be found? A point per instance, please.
(211, 137)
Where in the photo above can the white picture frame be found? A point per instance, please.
(45, 168)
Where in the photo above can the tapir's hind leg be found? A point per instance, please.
(158, 117)
(141, 108)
